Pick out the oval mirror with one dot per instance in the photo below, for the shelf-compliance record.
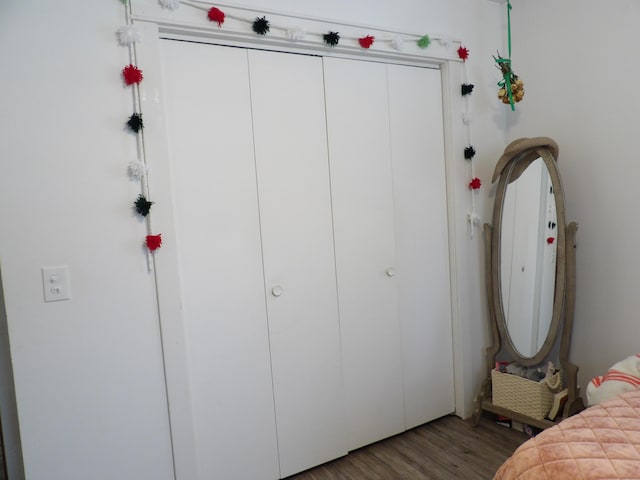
(528, 271)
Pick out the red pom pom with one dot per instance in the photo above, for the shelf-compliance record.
(550, 240)
(216, 15)
(132, 74)
(154, 242)
(463, 53)
(366, 42)
(475, 183)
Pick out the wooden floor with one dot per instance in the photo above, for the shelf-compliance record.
(448, 448)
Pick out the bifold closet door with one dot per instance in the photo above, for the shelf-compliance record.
(422, 241)
(208, 113)
(363, 211)
(297, 240)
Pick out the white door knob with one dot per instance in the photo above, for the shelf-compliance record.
(276, 291)
(391, 272)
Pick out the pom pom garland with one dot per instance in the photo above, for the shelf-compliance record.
(466, 88)
(153, 242)
(469, 152)
(170, 4)
(550, 240)
(366, 42)
(143, 206)
(475, 184)
(397, 42)
(216, 15)
(467, 119)
(331, 38)
(424, 41)
(463, 53)
(261, 25)
(135, 122)
(128, 35)
(132, 74)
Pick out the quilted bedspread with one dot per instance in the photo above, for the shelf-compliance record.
(602, 442)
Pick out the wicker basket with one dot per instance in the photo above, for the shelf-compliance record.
(522, 395)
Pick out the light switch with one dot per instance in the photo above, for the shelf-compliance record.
(55, 281)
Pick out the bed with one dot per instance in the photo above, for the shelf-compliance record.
(602, 442)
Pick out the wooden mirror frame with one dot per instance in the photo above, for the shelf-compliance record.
(516, 158)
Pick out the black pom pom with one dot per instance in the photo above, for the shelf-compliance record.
(261, 25)
(469, 152)
(467, 88)
(135, 122)
(331, 38)
(143, 205)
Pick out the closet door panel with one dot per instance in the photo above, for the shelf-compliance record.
(417, 145)
(214, 189)
(297, 238)
(362, 193)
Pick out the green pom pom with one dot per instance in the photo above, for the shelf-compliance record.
(424, 42)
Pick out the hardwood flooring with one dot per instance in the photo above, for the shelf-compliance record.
(447, 448)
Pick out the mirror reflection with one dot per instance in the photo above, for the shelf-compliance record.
(528, 256)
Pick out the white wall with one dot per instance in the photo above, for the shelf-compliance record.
(88, 372)
(577, 60)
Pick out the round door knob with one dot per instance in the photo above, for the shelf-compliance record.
(391, 272)
(276, 291)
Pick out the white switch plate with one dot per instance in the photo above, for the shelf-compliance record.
(55, 281)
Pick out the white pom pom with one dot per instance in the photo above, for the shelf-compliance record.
(137, 170)
(170, 4)
(127, 35)
(466, 118)
(397, 42)
(445, 42)
(296, 33)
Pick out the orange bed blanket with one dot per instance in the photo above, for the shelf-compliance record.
(602, 442)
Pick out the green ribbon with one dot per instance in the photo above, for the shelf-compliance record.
(506, 82)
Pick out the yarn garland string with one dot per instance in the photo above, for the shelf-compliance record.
(261, 25)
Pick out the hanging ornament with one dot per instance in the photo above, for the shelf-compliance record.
(397, 42)
(366, 42)
(216, 15)
(132, 74)
(136, 170)
(153, 242)
(261, 25)
(296, 33)
(463, 53)
(170, 4)
(135, 122)
(143, 206)
(469, 152)
(424, 41)
(466, 89)
(475, 183)
(331, 38)
(511, 89)
(128, 35)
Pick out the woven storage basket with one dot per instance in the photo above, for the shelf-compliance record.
(522, 395)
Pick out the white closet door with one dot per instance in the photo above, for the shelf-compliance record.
(297, 237)
(417, 146)
(362, 193)
(211, 147)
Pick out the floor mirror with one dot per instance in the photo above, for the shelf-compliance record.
(530, 277)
